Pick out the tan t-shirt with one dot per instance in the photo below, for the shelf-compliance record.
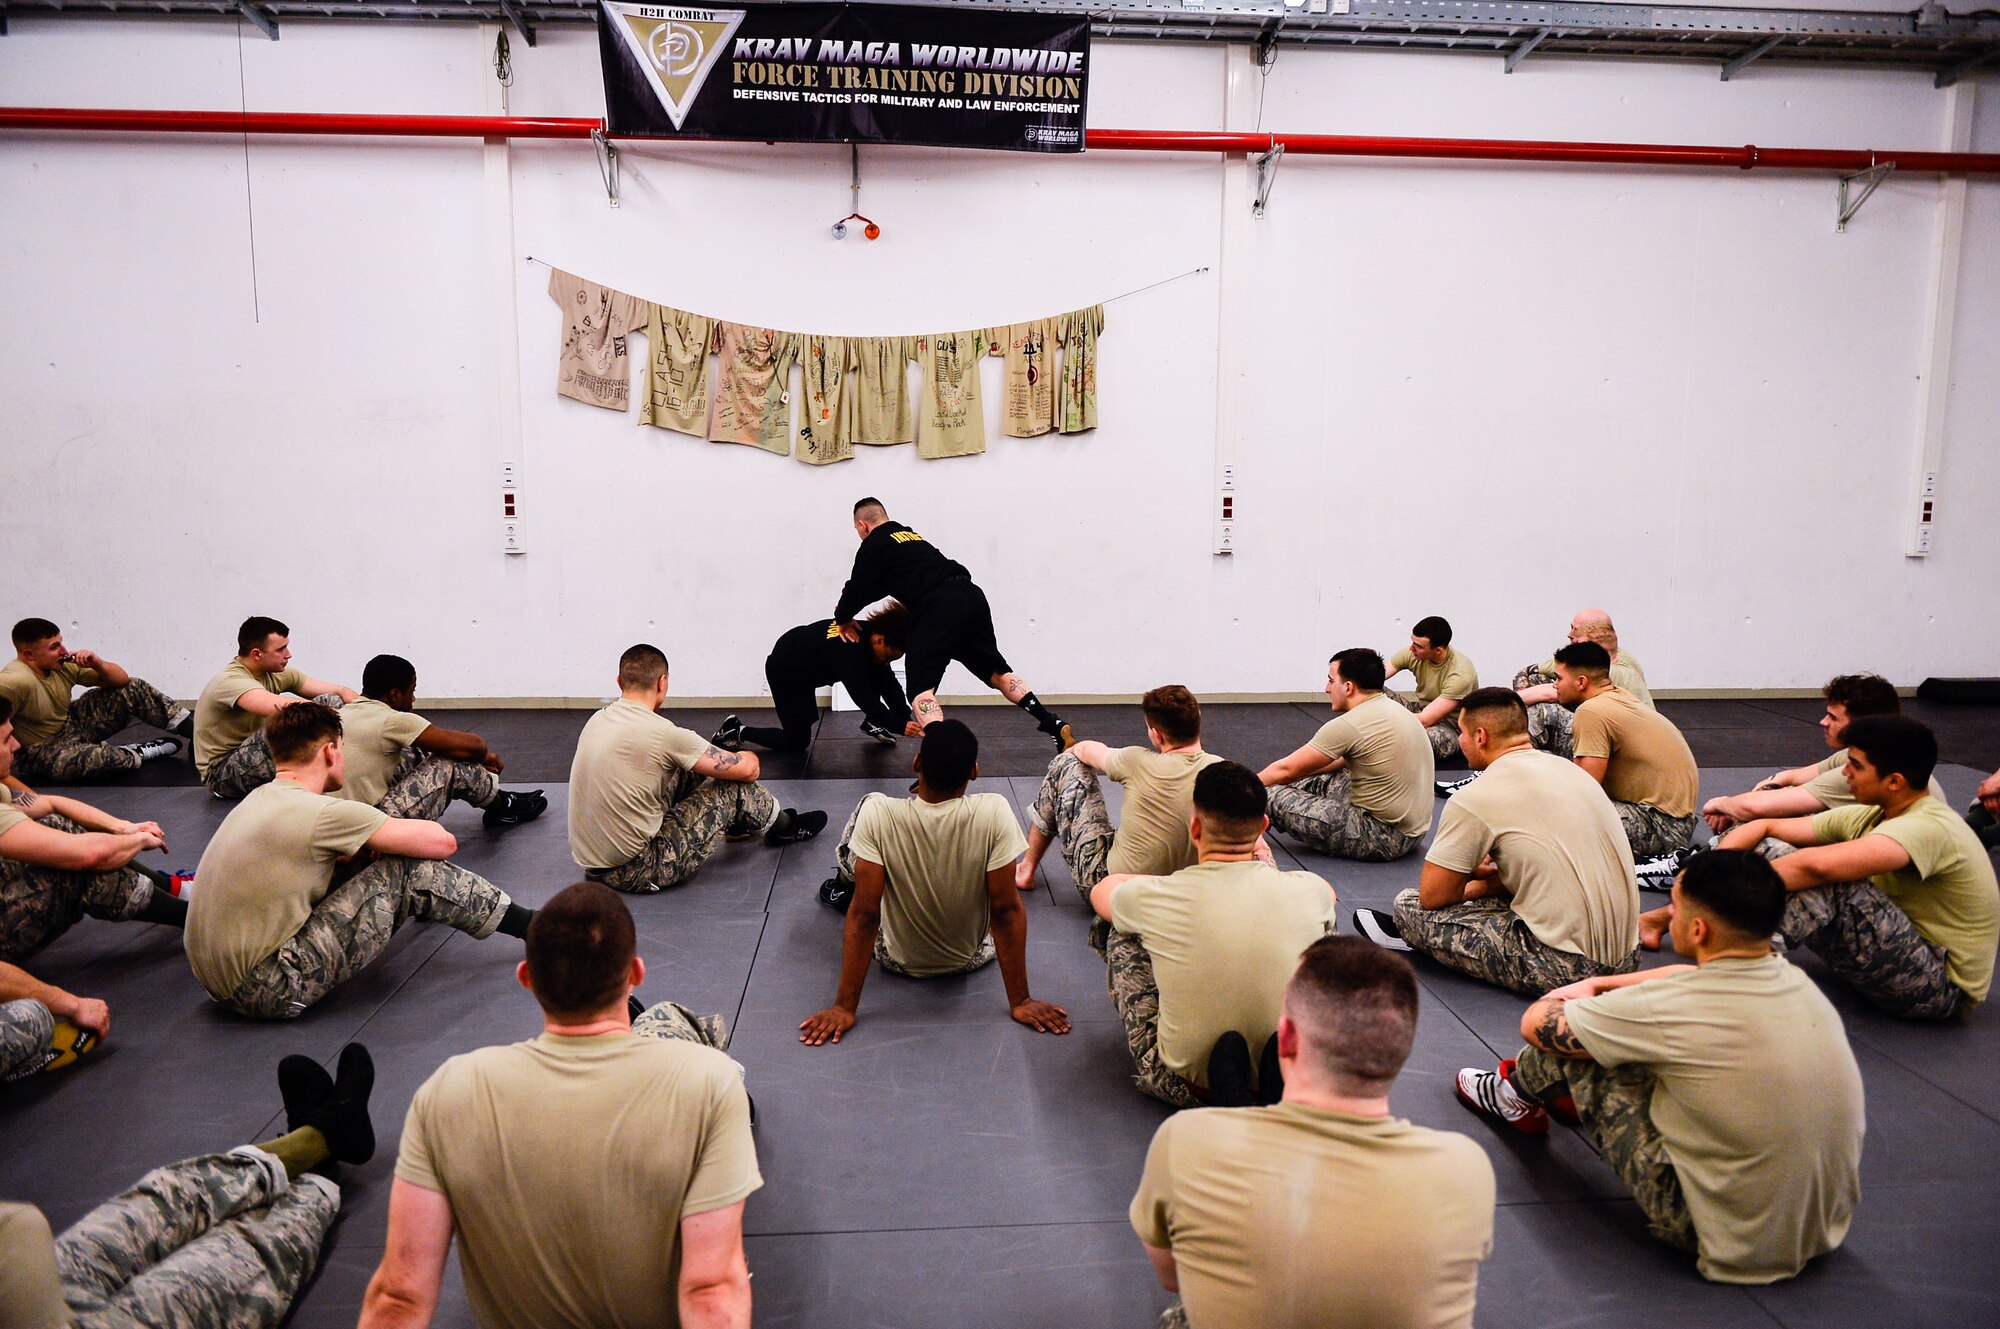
(1076, 395)
(1296, 1216)
(1028, 385)
(41, 705)
(1647, 759)
(31, 1294)
(10, 816)
(1452, 677)
(1224, 938)
(1758, 1100)
(826, 367)
(1152, 834)
(570, 1164)
(1560, 848)
(676, 394)
(595, 366)
(220, 726)
(1948, 888)
(268, 864)
(373, 737)
(1390, 765)
(877, 410)
(953, 421)
(626, 759)
(753, 400)
(1830, 785)
(935, 911)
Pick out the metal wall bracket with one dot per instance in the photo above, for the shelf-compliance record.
(607, 163)
(1267, 175)
(1521, 52)
(1870, 181)
(513, 14)
(1953, 73)
(1738, 64)
(262, 17)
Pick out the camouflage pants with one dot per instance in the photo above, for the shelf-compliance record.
(1069, 808)
(79, 751)
(1617, 1111)
(1983, 824)
(217, 1242)
(1531, 676)
(1174, 1316)
(1651, 831)
(1319, 811)
(1129, 969)
(27, 1033)
(843, 856)
(672, 1020)
(425, 785)
(249, 765)
(1873, 947)
(700, 811)
(1443, 735)
(39, 904)
(1548, 721)
(353, 924)
(1488, 940)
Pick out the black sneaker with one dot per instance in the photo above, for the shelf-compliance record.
(343, 1118)
(511, 808)
(1446, 788)
(836, 894)
(1379, 926)
(730, 736)
(152, 749)
(880, 733)
(1270, 1076)
(793, 826)
(1229, 1083)
(634, 1006)
(1658, 874)
(305, 1086)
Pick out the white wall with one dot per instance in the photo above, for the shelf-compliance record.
(1496, 392)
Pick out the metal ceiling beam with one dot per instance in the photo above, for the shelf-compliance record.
(266, 24)
(1743, 61)
(1952, 74)
(518, 20)
(1521, 52)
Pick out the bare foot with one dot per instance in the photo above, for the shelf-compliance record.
(1653, 926)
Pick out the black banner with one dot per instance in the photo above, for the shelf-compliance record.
(831, 73)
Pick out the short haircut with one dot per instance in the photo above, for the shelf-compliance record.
(1174, 711)
(257, 630)
(385, 674)
(1361, 666)
(870, 509)
(641, 666)
(1355, 1006)
(1496, 710)
(1863, 694)
(579, 950)
(31, 630)
(297, 731)
(950, 750)
(1433, 629)
(1895, 745)
(1739, 887)
(1585, 657)
(1231, 800)
(892, 625)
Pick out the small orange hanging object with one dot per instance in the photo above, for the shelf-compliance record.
(871, 230)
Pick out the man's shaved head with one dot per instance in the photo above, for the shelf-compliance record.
(1594, 625)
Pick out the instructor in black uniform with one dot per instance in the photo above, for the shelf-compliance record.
(813, 655)
(949, 618)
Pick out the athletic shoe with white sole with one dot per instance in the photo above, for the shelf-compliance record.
(1379, 926)
(793, 826)
(880, 733)
(1488, 1092)
(1446, 788)
(153, 749)
(514, 807)
(1658, 873)
(730, 736)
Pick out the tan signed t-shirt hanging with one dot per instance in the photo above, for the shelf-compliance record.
(753, 400)
(875, 408)
(1076, 394)
(953, 423)
(594, 366)
(676, 395)
(1028, 391)
(826, 367)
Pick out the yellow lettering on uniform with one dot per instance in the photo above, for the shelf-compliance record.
(904, 537)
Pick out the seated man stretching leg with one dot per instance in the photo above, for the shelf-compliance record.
(649, 802)
(1641, 759)
(1152, 837)
(287, 912)
(1444, 679)
(65, 741)
(408, 767)
(1362, 788)
(814, 655)
(1282, 1215)
(1528, 883)
(594, 1175)
(1548, 719)
(1207, 951)
(1723, 1093)
(928, 885)
(229, 748)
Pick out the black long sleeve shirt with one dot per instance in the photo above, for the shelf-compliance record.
(895, 560)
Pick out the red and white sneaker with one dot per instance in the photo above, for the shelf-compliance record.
(1489, 1092)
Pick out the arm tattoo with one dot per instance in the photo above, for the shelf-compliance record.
(927, 705)
(1554, 1034)
(28, 803)
(724, 760)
